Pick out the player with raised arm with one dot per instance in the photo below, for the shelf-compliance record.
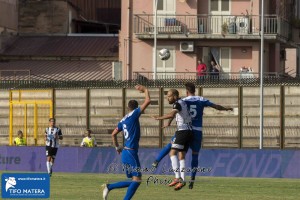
(183, 136)
(130, 126)
(196, 105)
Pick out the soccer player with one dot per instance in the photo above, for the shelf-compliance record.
(196, 105)
(130, 126)
(183, 136)
(20, 141)
(52, 136)
(88, 141)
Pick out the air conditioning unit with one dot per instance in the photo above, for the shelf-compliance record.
(187, 46)
(242, 25)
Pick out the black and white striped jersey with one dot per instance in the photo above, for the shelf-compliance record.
(183, 117)
(52, 140)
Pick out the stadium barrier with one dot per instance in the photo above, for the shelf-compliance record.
(212, 162)
(100, 109)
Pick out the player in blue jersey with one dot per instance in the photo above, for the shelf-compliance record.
(196, 105)
(130, 126)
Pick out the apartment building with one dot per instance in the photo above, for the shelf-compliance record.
(224, 31)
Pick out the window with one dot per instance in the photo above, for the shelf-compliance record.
(219, 5)
(165, 6)
(166, 69)
(214, 5)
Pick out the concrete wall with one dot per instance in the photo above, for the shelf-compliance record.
(44, 17)
(8, 16)
(221, 128)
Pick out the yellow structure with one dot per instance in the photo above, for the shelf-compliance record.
(30, 110)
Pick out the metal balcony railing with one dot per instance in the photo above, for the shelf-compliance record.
(211, 24)
(210, 76)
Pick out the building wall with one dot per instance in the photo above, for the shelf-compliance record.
(44, 17)
(187, 61)
(8, 16)
(108, 11)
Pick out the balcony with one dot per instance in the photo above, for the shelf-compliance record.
(211, 27)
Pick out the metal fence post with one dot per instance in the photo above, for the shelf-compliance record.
(240, 116)
(87, 108)
(282, 115)
(123, 107)
(161, 112)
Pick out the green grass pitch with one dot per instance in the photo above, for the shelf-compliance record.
(87, 186)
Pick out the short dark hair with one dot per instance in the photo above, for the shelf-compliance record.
(190, 87)
(133, 104)
(52, 119)
(174, 92)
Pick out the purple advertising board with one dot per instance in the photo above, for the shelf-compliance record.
(212, 162)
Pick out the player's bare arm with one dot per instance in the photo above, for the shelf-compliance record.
(147, 100)
(168, 123)
(170, 115)
(115, 140)
(219, 107)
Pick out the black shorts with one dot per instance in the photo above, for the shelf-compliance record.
(51, 151)
(182, 139)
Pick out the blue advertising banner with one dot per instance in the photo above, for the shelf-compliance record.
(25, 185)
(212, 162)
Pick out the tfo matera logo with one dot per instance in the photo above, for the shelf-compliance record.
(10, 183)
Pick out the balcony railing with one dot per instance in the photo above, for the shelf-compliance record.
(211, 24)
(209, 77)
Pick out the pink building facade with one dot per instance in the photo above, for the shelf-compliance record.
(225, 31)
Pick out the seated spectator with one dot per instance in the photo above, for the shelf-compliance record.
(88, 141)
(20, 140)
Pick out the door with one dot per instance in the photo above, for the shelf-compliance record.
(166, 68)
(222, 56)
(220, 11)
(165, 13)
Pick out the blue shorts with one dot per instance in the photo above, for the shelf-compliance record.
(195, 144)
(131, 163)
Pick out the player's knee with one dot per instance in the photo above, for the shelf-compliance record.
(195, 153)
(137, 179)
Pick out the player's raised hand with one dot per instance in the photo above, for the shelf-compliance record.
(140, 88)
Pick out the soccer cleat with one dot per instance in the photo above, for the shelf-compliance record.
(179, 186)
(191, 185)
(105, 191)
(155, 164)
(174, 182)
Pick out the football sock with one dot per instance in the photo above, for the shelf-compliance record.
(131, 190)
(51, 165)
(174, 161)
(121, 184)
(194, 165)
(182, 169)
(48, 167)
(163, 152)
